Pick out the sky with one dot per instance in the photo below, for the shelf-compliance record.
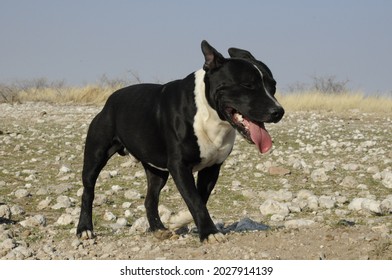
(78, 41)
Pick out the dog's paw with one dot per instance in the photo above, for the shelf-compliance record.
(86, 234)
(215, 238)
(162, 234)
(180, 220)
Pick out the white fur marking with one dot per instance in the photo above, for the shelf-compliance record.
(215, 137)
(269, 95)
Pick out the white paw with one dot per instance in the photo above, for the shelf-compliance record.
(215, 238)
(87, 234)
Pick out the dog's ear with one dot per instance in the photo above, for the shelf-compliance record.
(239, 53)
(213, 59)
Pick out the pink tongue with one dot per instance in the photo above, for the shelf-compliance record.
(260, 137)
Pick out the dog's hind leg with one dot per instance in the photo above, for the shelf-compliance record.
(100, 146)
(156, 180)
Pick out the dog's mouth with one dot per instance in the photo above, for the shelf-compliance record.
(252, 131)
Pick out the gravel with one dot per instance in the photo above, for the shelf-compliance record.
(324, 190)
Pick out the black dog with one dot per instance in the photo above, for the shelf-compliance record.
(182, 127)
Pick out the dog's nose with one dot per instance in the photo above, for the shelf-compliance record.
(276, 114)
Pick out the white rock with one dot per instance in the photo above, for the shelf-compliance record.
(372, 169)
(298, 223)
(65, 219)
(44, 203)
(65, 169)
(132, 195)
(63, 201)
(319, 175)
(356, 204)
(37, 220)
(5, 212)
(387, 179)
(100, 199)
(304, 194)
(116, 188)
(326, 202)
(164, 213)
(140, 225)
(386, 205)
(109, 216)
(122, 222)
(8, 244)
(17, 210)
(312, 202)
(126, 204)
(21, 193)
(79, 193)
(270, 207)
(349, 181)
(350, 166)
(371, 205)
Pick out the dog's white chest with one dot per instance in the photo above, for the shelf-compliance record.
(214, 136)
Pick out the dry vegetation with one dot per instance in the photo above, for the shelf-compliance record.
(304, 100)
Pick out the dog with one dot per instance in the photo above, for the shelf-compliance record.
(183, 127)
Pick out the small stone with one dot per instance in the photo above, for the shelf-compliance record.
(21, 193)
(277, 170)
(371, 205)
(319, 175)
(62, 202)
(8, 244)
(140, 225)
(44, 203)
(349, 181)
(350, 166)
(100, 199)
(17, 210)
(37, 220)
(356, 204)
(270, 207)
(5, 212)
(126, 205)
(109, 216)
(122, 222)
(326, 202)
(64, 220)
(132, 195)
(116, 188)
(386, 205)
(387, 179)
(64, 169)
(298, 223)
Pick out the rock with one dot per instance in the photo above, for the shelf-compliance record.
(5, 212)
(109, 216)
(386, 179)
(64, 169)
(62, 202)
(350, 166)
(372, 169)
(371, 205)
(37, 220)
(116, 188)
(132, 195)
(140, 225)
(349, 181)
(271, 207)
(44, 203)
(64, 220)
(298, 223)
(17, 210)
(356, 204)
(319, 175)
(8, 244)
(277, 170)
(122, 222)
(304, 194)
(386, 205)
(100, 199)
(326, 202)
(21, 193)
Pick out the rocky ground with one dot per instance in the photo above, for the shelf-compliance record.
(325, 191)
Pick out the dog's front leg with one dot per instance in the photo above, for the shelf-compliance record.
(185, 182)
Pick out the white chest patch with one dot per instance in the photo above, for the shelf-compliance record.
(214, 136)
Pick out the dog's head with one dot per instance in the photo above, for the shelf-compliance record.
(242, 90)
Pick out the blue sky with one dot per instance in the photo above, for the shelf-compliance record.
(79, 41)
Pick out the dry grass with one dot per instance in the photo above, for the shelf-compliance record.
(316, 101)
(299, 101)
